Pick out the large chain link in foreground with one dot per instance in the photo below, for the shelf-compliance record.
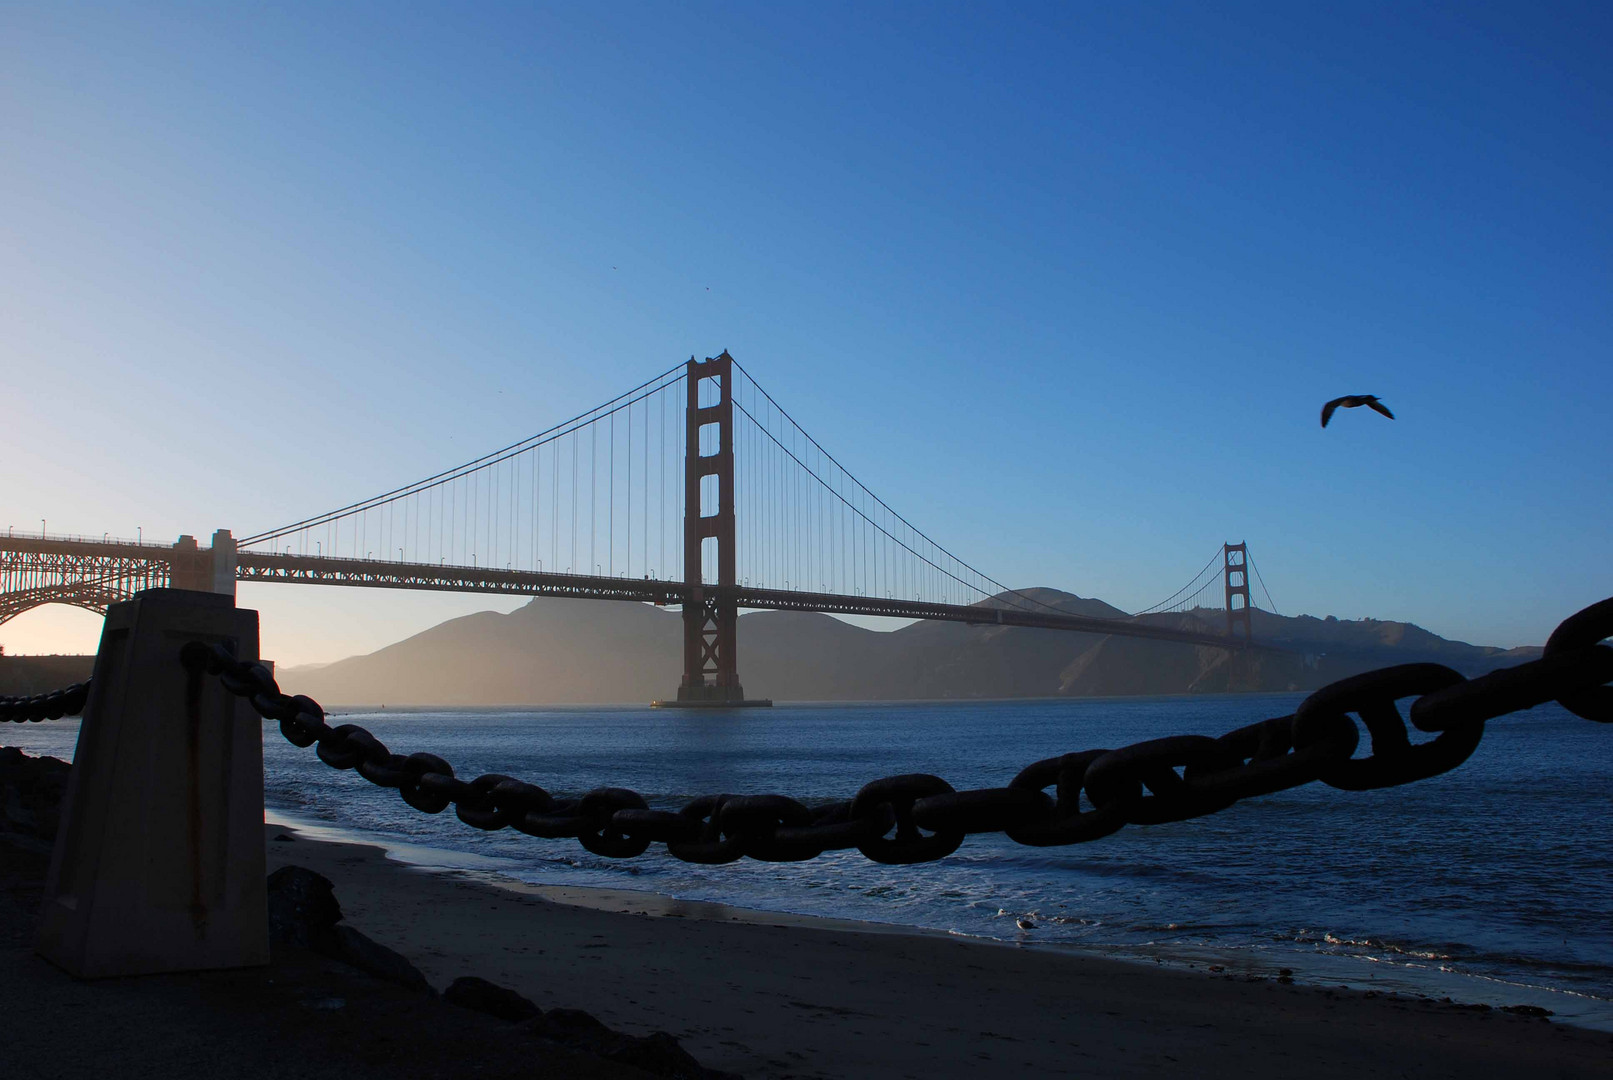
(917, 817)
(32, 708)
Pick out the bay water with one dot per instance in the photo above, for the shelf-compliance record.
(1490, 884)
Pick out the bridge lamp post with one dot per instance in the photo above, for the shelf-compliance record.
(139, 535)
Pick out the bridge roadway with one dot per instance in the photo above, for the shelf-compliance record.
(27, 562)
(319, 570)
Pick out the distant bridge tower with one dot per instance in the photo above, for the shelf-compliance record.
(710, 663)
(1236, 570)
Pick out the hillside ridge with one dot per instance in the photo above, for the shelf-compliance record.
(555, 651)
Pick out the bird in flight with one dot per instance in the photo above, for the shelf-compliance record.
(1350, 401)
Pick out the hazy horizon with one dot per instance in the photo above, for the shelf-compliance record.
(558, 651)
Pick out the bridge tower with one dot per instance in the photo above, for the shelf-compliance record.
(710, 663)
(1236, 571)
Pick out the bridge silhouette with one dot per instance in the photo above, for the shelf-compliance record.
(694, 489)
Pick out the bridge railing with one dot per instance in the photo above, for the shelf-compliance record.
(13, 535)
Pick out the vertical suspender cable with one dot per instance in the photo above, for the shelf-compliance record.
(571, 562)
(646, 489)
(660, 495)
(593, 499)
(610, 518)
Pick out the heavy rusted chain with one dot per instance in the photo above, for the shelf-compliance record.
(32, 708)
(919, 818)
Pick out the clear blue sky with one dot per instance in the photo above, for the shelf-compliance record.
(1067, 284)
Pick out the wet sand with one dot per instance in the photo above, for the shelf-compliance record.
(776, 997)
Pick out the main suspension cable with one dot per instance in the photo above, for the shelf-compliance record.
(1002, 589)
(599, 412)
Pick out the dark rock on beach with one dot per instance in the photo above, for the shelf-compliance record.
(371, 957)
(31, 790)
(658, 1053)
(304, 913)
(470, 992)
(302, 907)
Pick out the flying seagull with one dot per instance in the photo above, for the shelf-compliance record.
(1350, 401)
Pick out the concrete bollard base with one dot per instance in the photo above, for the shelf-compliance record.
(159, 859)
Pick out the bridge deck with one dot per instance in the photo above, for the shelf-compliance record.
(101, 559)
(318, 570)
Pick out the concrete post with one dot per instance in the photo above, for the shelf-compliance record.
(188, 567)
(201, 569)
(159, 859)
(223, 562)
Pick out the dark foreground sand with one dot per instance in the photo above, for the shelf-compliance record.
(773, 998)
(301, 1018)
(747, 992)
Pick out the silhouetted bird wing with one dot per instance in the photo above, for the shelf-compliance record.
(1376, 406)
(1327, 410)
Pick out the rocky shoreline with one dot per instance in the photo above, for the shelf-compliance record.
(331, 976)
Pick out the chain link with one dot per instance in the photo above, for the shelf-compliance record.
(52, 706)
(920, 818)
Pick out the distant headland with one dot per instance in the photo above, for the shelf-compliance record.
(559, 651)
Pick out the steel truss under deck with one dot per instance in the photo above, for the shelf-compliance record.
(92, 574)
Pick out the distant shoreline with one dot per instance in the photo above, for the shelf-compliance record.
(370, 707)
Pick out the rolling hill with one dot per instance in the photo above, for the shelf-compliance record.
(561, 651)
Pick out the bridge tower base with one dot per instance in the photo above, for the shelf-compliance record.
(710, 615)
(1236, 572)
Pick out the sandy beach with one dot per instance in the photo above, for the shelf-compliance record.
(775, 997)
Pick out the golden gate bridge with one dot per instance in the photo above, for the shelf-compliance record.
(695, 489)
